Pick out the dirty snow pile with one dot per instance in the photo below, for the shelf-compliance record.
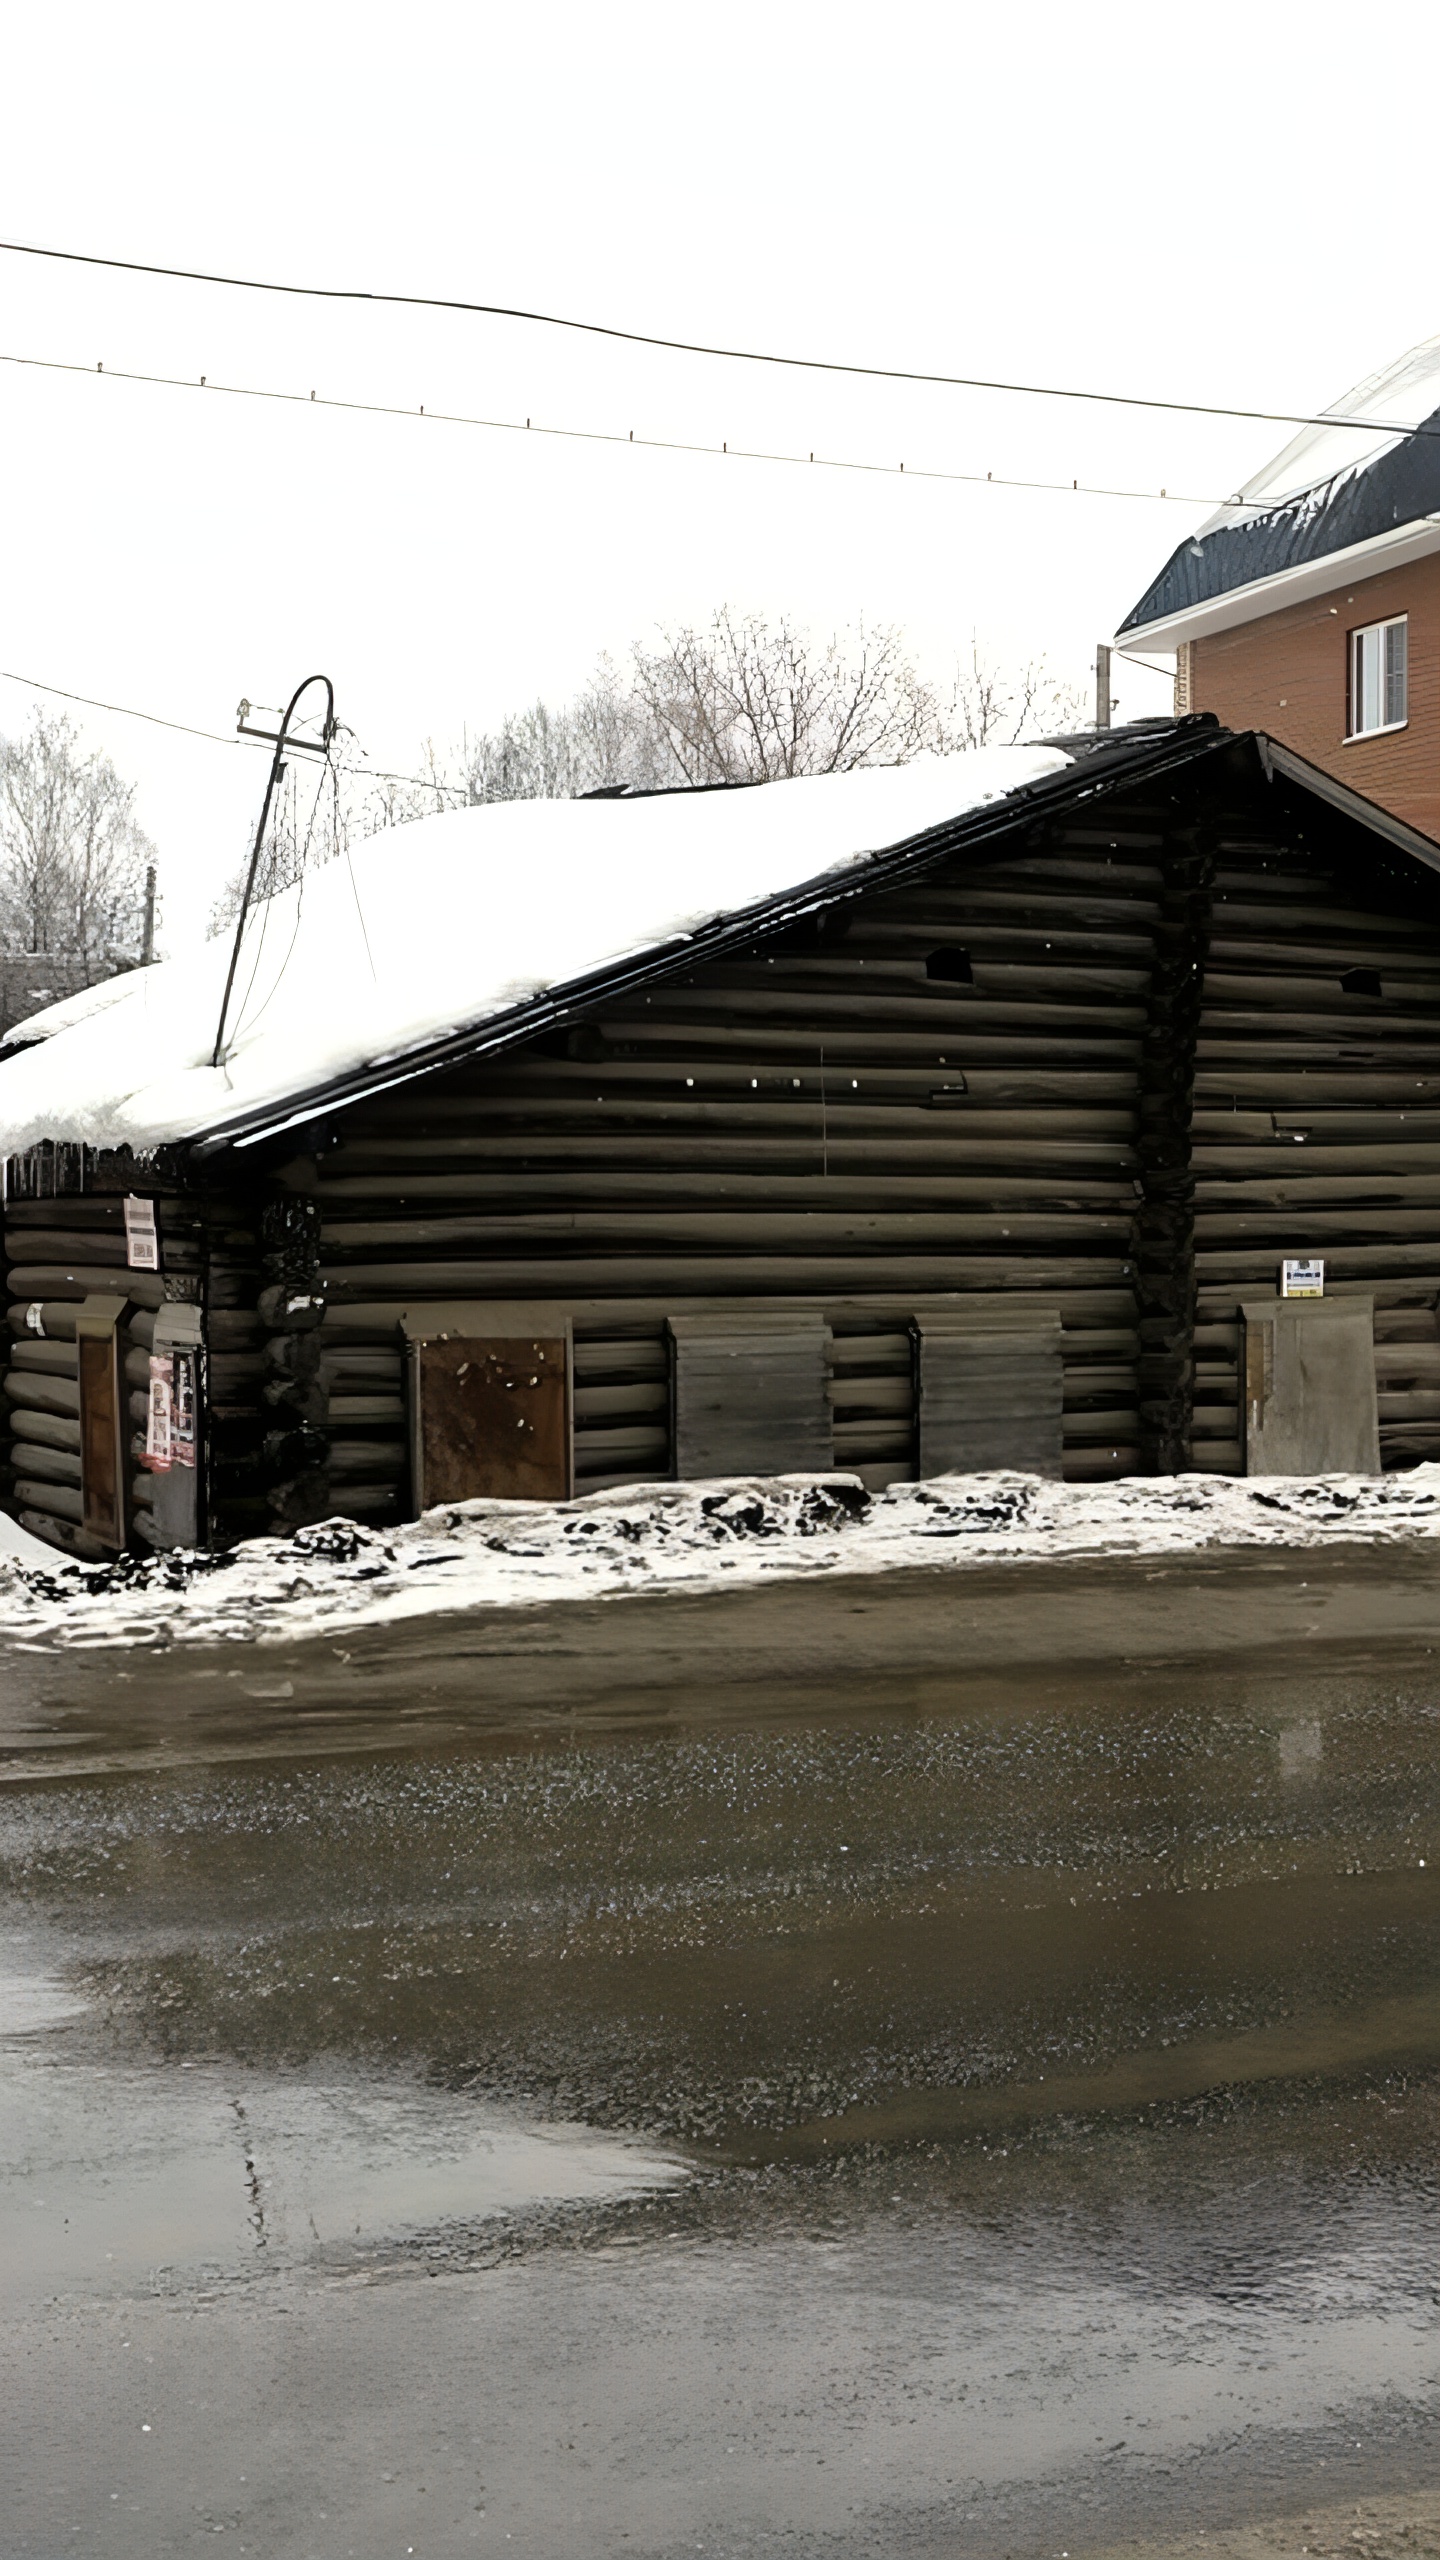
(346, 970)
(681, 1537)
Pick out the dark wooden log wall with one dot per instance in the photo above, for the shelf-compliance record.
(1165, 1284)
(1316, 1125)
(1118, 1074)
(64, 1241)
(939, 1096)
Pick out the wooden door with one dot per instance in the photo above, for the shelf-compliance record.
(490, 1416)
(103, 1419)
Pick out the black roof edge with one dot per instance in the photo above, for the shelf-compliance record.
(1094, 771)
(1398, 485)
(1351, 804)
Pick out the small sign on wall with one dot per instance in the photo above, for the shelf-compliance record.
(170, 1419)
(142, 1243)
(1302, 1277)
(174, 1430)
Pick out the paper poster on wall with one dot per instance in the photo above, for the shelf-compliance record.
(157, 1420)
(1302, 1278)
(170, 1418)
(142, 1243)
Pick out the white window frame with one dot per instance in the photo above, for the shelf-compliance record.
(1371, 677)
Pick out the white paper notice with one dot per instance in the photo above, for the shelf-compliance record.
(1302, 1279)
(159, 1427)
(142, 1244)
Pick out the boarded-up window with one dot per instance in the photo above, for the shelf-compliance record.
(1310, 1399)
(102, 1420)
(751, 1394)
(490, 1414)
(989, 1392)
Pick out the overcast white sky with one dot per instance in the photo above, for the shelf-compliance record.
(1232, 204)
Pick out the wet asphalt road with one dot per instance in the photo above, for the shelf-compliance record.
(994, 2126)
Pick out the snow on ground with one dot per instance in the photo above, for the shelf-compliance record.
(348, 968)
(682, 1537)
(15, 1541)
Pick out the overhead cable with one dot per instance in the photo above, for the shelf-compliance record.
(154, 717)
(126, 711)
(606, 435)
(698, 347)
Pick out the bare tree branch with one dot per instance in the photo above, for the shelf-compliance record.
(72, 858)
(745, 699)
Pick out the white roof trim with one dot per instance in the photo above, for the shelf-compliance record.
(1393, 550)
(1351, 804)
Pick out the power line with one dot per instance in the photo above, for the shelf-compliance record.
(607, 435)
(122, 708)
(126, 711)
(422, 781)
(695, 347)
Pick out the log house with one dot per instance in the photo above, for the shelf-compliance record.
(964, 1155)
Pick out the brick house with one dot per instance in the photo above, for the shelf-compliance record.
(1309, 606)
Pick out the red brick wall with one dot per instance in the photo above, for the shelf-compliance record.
(1287, 674)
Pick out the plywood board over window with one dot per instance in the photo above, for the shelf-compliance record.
(490, 1400)
(989, 1390)
(751, 1393)
(1310, 1398)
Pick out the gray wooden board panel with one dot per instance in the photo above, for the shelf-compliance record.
(990, 1396)
(751, 1394)
(1309, 1387)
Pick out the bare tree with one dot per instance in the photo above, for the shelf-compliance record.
(616, 743)
(321, 809)
(746, 699)
(753, 701)
(602, 740)
(297, 839)
(533, 755)
(994, 706)
(72, 858)
(742, 700)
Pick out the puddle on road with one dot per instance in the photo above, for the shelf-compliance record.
(156, 2180)
(32, 2001)
(1065, 2082)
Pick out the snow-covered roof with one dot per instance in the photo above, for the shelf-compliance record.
(450, 924)
(1337, 502)
(1403, 394)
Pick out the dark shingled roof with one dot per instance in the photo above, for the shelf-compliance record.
(1401, 485)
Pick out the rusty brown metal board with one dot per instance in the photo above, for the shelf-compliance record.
(491, 1415)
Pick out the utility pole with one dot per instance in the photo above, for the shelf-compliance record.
(285, 742)
(1102, 685)
(147, 947)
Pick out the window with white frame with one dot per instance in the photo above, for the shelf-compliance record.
(1379, 677)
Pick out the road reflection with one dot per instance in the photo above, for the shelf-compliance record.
(969, 2118)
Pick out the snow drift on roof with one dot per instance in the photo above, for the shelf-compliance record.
(1403, 394)
(448, 924)
(1332, 488)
